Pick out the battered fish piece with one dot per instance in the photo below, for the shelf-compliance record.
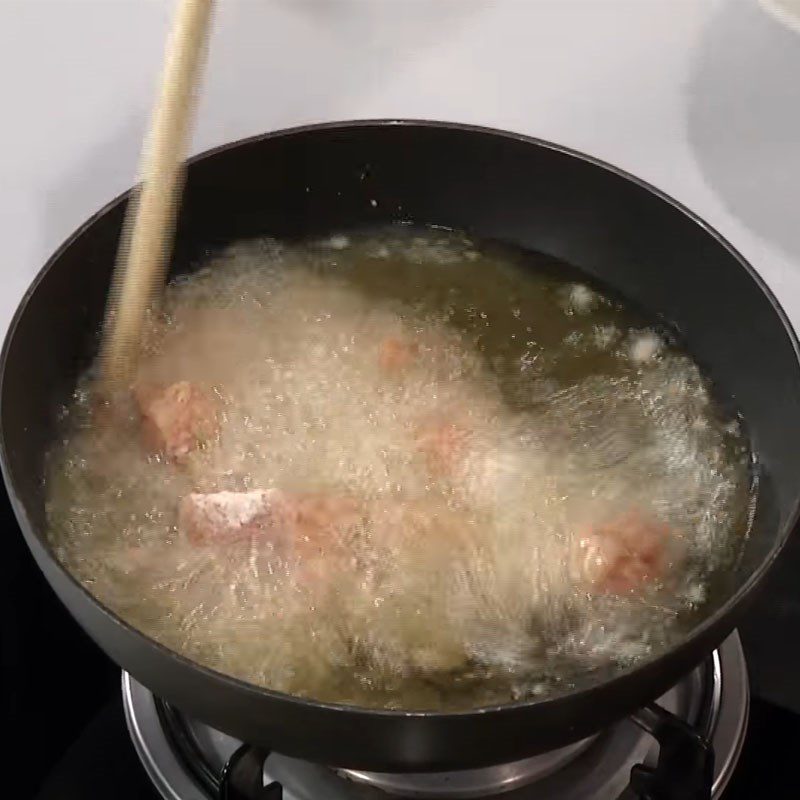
(176, 419)
(626, 554)
(396, 355)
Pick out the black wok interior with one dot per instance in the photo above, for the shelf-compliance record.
(321, 179)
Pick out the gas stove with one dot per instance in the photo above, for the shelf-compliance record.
(186, 760)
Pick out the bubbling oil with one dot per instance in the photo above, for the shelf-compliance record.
(460, 590)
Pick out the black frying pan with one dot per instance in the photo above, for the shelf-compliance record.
(494, 185)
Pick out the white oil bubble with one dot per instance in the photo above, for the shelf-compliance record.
(605, 336)
(338, 242)
(579, 299)
(644, 347)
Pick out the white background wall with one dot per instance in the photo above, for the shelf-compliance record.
(700, 97)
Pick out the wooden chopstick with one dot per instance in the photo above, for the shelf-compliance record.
(146, 242)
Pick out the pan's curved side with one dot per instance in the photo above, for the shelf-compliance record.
(532, 194)
(362, 739)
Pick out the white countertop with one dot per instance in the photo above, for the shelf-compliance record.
(700, 97)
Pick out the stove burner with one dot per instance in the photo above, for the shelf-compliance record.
(185, 758)
(471, 783)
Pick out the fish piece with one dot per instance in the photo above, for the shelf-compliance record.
(396, 354)
(310, 531)
(626, 554)
(444, 445)
(227, 517)
(176, 419)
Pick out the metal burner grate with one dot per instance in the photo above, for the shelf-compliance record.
(186, 747)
